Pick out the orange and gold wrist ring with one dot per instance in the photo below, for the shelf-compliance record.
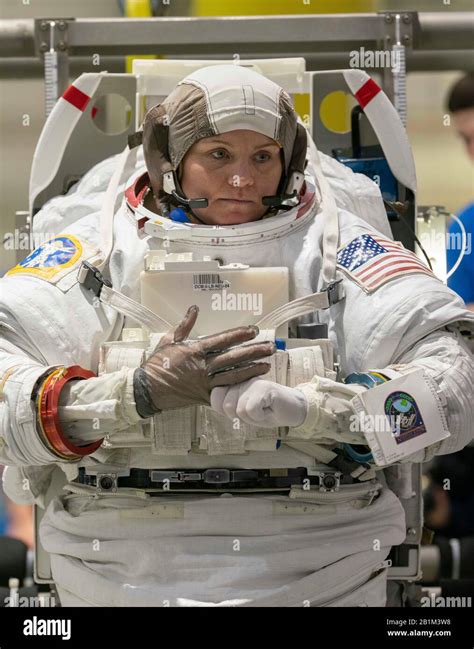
(48, 400)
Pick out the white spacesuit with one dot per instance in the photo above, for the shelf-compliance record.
(319, 548)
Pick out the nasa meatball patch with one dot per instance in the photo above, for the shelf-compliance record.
(371, 261)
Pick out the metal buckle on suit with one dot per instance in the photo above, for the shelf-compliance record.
(224, 476)
(174, 476)
(216, 476)
(334, 291)
(208, 476)
(92, 279)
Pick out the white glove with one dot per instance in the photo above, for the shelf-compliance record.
(261, 403)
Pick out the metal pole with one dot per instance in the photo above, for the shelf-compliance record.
(438, 31)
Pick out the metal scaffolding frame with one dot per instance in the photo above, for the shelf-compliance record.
(432, 40)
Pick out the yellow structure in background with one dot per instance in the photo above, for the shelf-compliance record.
(303, 107)
(335, 111)
(137, 9)
(335, 108)
(278, 7)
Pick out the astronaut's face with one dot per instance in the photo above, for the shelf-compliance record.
(233, 171)
(464, 124)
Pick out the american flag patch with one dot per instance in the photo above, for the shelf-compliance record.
(372, 260)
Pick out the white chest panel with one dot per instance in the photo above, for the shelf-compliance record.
(227, 296)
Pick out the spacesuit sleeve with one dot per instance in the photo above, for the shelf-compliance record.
(98, 406)
(88, 409)
(447, 360)
(448, 364)
(20, 443)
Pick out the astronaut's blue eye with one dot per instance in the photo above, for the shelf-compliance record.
(213, 154)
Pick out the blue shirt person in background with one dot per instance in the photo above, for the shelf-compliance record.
(461, 105)
(462, 280)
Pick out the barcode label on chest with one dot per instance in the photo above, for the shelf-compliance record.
(209, 282)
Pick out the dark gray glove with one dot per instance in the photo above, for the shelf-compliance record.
(182, 372)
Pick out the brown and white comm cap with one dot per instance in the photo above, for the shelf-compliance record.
(217, 99)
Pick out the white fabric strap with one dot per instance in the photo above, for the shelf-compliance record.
(155, 324)
(126, 162)
(125, 305)
(331, 229)
(294, 309)
(133, 309)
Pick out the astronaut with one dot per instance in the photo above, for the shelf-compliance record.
(232, 174)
